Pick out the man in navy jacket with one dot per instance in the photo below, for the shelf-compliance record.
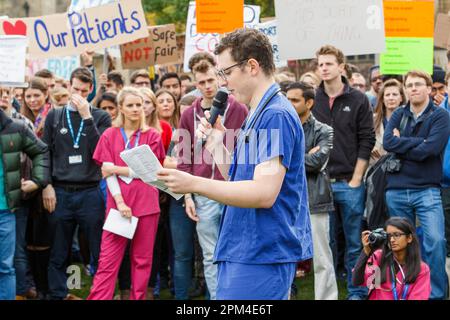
(414, 189)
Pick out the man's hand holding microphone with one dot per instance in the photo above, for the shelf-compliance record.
(211, 131)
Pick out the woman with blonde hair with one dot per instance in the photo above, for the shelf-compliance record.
(130, 196)
(152, 117)
(310, 78)
(390, 97)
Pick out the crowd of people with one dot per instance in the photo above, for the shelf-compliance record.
(340, 160)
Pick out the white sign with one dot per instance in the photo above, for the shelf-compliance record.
(12, 60)
(199, 42)
(270, 30)
(354, 26)
(78, 5)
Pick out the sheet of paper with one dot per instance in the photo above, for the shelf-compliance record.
(144, 163)
(119, 225)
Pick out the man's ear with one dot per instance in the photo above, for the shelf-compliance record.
(254, 66)
(310, 104)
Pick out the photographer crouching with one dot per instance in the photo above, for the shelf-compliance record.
(390, 264)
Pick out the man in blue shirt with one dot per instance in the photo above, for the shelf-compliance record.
(265, 227)
(413, 188)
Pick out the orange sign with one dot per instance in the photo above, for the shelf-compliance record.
(219, 16)
(409, 19)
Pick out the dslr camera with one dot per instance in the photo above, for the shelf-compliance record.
(377, 238)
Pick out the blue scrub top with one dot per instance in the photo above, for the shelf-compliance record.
(282, 233)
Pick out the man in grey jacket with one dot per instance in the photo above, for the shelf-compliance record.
(318, 144)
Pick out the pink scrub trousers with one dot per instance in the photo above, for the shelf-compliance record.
(111, 253)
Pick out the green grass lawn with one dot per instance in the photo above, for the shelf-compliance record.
(305, 287)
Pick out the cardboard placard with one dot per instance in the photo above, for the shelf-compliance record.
(159, 47)
(271, 31)
(199, 42)
(12, 60)
(442, 31)
(215, 16)
(73, 32)
(355, 27)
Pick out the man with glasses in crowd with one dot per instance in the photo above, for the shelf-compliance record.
(376, 81)
(418, 134)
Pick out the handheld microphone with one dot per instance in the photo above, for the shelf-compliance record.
(218, 107)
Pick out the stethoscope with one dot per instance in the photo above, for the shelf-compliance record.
(64, 130)
(248, 129)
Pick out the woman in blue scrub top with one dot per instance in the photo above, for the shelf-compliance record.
(265, 228)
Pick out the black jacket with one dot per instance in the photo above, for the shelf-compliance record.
(352, 121)
(319, 186)
(61, 146)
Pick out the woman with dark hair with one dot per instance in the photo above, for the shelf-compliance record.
(35, 106)
(390, 97)
(396, 271)
(108, 103)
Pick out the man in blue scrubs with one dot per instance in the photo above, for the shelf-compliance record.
(265, 228)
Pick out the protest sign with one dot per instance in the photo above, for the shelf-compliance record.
(12, 60)
(442, 31)
(200, 42)
(270, 30)
(78, 5)
(74, 32)
(219, 16)
(160, 47)
(355, 27)
(409, 36)
(61, 67)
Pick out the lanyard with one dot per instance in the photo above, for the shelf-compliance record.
(251, 121)
(394, 286)
(76, 141)
(127, 142)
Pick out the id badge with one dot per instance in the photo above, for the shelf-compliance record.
(75, 159)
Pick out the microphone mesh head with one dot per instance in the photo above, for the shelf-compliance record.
(222, 95)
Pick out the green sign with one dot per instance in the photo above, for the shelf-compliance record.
(405, 54)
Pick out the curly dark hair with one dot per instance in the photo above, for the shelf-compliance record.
(249, 44)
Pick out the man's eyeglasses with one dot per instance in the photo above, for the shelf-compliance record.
(223, 73)
(415, 84)
(395, 235)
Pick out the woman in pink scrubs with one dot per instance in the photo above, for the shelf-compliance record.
(132, 197)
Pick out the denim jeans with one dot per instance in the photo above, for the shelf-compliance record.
(85, 208)
(182, 229)
(426, 204)
(445, 192)
(349, 204)
(21, 254)
(7, 246)
(209, 213)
